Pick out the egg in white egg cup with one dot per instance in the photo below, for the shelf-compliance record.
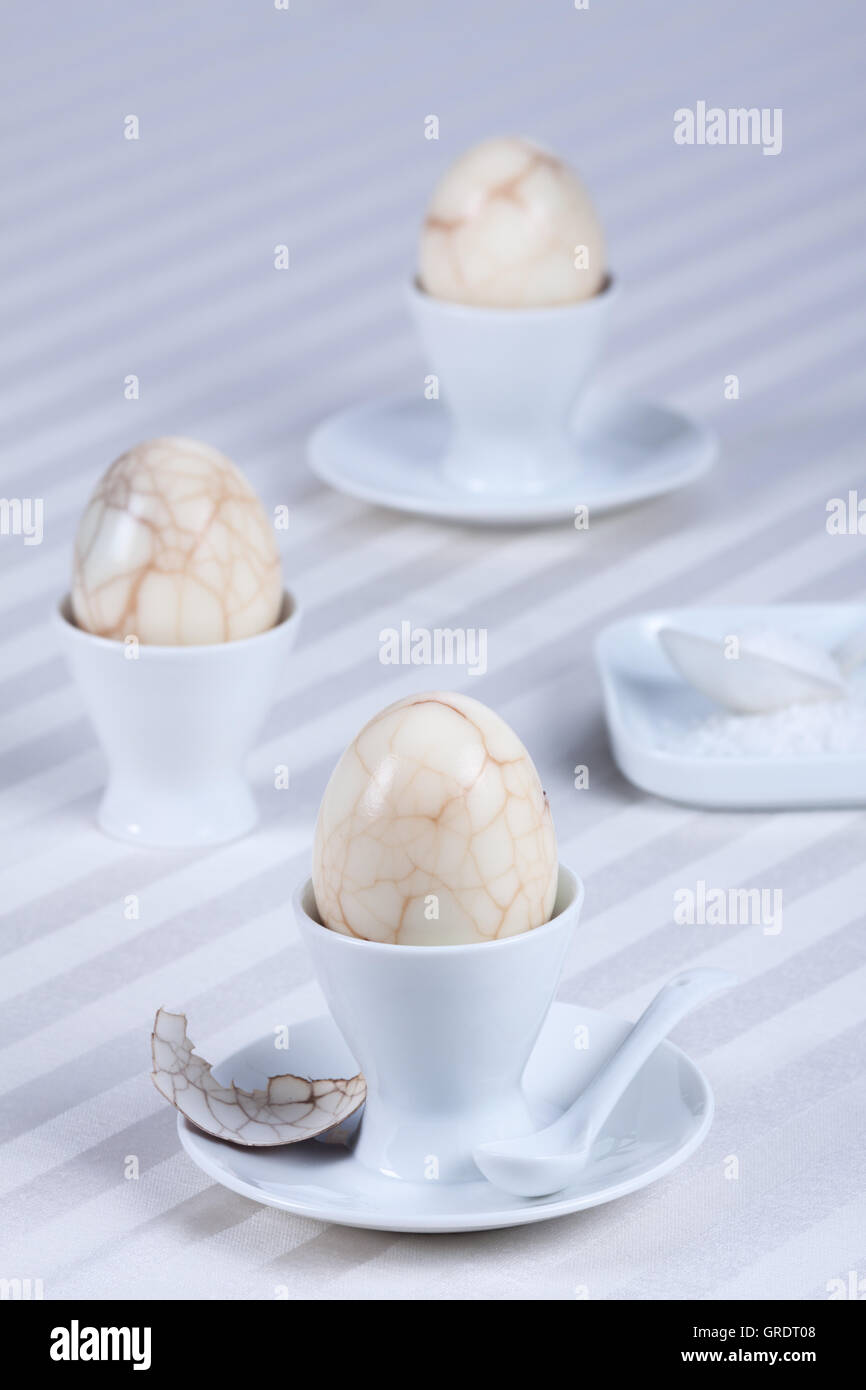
(442, 1034)
(176, 725)
(510, 379)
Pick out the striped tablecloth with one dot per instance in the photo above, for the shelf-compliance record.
(154, 258)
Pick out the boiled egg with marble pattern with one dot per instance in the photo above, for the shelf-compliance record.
(175, 548)
(434, 829)
(509, 225)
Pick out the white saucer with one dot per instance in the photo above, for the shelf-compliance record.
(625, 451)
(660, 1120)
(646, 701)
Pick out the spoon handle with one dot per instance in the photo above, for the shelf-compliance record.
(583, 1120)
(852, 652)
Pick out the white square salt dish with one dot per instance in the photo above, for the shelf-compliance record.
(670, 740)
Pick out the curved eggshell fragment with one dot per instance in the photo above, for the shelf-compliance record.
(289, 1109)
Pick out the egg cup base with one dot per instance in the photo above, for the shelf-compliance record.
(227, 813)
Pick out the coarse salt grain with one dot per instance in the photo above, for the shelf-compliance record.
(826, 726)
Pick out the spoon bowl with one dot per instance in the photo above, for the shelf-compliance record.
(539, 1164)
(753, 681)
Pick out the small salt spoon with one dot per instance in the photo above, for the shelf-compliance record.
(771, 670)
(536, 1165)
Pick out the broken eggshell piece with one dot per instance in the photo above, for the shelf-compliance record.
(289, 1109)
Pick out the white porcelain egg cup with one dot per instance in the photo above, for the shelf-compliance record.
(442, 1034)
(510, 379)
(176, 725)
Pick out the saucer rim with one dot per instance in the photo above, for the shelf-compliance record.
(546, 506)
(197, 1147)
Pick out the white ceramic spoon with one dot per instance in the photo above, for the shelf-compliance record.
(535, 1165)
(772, 670)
